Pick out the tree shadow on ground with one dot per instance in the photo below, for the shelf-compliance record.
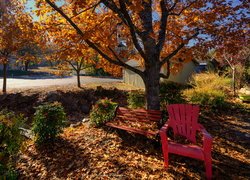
(60, 158)
(20, 103)
(231, 126)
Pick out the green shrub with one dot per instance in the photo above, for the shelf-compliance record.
(10, 142)
(208, 89)
(171, 93)
(10, 137)
(102, 112)
(49, 120)
(136, 99)
(203, 96)
(92, 71)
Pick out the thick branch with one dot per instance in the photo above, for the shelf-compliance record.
(163, 27)
(126, 65)
(81, 63)
(112, 6)
(183, 9)
(71, 64)
(166, 59)
(131, 28)
(166, 76)
(93, 6)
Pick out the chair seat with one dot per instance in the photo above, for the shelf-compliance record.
(192, 151)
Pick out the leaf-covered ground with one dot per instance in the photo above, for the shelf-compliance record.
(101, 153)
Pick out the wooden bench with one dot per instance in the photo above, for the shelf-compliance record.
(137, 121)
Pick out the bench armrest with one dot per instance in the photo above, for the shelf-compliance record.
(207, 139)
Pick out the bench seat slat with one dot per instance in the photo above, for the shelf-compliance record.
(142, 116)
(137, 119)
(134, 130)
(122, 118)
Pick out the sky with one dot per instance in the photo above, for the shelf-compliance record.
(31, 6)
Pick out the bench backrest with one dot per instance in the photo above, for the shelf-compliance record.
(183, 118)
(139, 114)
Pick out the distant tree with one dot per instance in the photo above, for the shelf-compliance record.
(16, 29)
(29, 53)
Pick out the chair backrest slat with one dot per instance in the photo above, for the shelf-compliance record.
(183, 118)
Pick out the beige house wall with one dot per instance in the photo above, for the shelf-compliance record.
(133, 79)
(182, 77)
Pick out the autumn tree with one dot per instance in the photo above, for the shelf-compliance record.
(17, 30)
(157, 33)
(77, 58)
(8, 31)
(237, 61)
(28, 53)
(67, 48)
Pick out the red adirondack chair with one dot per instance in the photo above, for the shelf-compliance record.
(183, 119)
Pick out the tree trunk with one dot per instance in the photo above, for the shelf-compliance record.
(26, 65)
(234, 85)
(78, 79)
(4, 77)
(152, 88)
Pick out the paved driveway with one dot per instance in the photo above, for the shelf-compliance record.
(36, 81)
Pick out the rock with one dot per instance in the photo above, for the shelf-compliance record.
(53, 96)
(85, 120)
(27, 133)
(75, 125)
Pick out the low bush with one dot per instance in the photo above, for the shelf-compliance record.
(211, 81)
(10, 142)
(203, 96)
(208, 89)
(136, 99)
(49, 120)
(102, 112)
(171, 93)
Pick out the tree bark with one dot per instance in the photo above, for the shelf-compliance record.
(4, 77)
(78, 79)
(152, 88)
(234, 84)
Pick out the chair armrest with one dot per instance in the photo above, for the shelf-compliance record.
(163, 132)
(207, 139)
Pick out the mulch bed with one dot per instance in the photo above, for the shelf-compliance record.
(100, 153)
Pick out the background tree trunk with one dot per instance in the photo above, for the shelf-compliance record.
(233, 79)
(78, 78)
(26, 65)
(4, 77)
